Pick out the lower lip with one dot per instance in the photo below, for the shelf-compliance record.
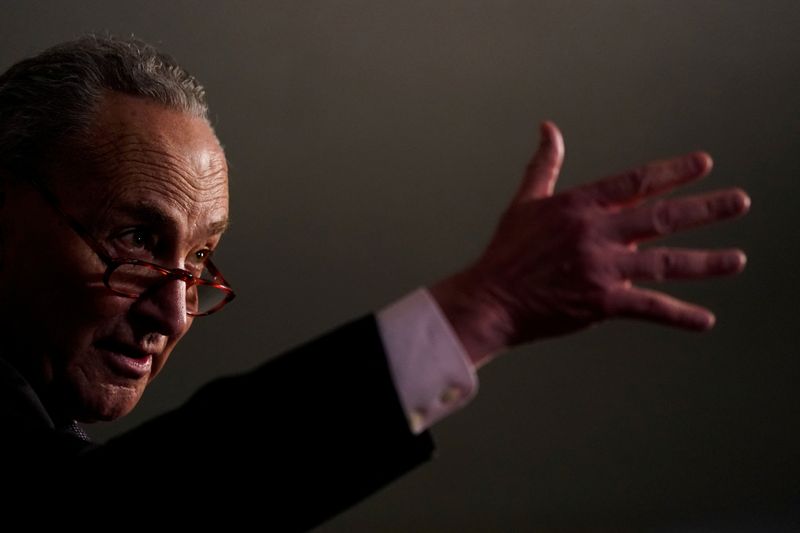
(130, 367)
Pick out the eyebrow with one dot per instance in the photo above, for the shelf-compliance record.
(219, 227)
(152, 213)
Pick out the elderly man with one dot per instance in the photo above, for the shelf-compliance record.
(114, 198)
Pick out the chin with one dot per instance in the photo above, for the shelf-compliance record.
(108, 402)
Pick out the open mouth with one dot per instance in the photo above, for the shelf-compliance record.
(126, 360)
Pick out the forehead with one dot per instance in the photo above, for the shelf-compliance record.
(141, 154)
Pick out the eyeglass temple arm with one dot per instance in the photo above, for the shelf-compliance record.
(74, 224)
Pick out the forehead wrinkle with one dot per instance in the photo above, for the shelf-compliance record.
(161, 162)
(169, 193)
(175, 186)
(144, 153)
(129, 160)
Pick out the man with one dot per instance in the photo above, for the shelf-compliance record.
(115, 196)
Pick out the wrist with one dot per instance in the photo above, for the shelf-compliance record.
(481, 326)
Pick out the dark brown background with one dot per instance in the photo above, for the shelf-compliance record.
(373, 145)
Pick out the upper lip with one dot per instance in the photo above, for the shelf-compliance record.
(129, 350)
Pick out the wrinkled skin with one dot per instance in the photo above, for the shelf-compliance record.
(149, 183)
(558, 263)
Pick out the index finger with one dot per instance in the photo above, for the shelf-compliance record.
(648, 180)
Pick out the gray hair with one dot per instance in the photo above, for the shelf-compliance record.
(52, 98)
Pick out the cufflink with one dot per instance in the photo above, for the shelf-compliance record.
(451, 395)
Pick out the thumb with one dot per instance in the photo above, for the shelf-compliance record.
(542, 172)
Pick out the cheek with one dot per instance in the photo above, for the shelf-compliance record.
(68, 316)
(78, 286)
(57, 283)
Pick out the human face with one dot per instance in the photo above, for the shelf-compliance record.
(152, 186)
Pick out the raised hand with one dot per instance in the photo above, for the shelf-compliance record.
(559, 263)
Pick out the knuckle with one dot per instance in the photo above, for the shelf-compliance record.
(593, 269)
(651, 307)
(584, 224)
(576, 226)
(724, 205)
(638, 181)
(715, 206)
(713, 262)
(655, 308)
(667, 262)
(662, 218)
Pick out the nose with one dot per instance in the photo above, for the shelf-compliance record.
(163, 307)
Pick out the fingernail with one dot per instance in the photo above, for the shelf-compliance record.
(742, 202)
(701, 162)
(706, 321)
(738, 261)
(731, 262)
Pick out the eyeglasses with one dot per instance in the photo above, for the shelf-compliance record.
(206, 292)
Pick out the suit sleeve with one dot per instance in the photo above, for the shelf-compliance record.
(319, 427)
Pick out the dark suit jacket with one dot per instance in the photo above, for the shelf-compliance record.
(299, 438)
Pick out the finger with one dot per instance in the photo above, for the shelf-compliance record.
(542, 172)
(648, 180)
(669, 216)
(644, 304)
(659, 264)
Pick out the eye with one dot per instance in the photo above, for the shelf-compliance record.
(137, 240)
(198, 259)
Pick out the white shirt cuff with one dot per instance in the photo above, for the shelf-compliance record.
(430, 368)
